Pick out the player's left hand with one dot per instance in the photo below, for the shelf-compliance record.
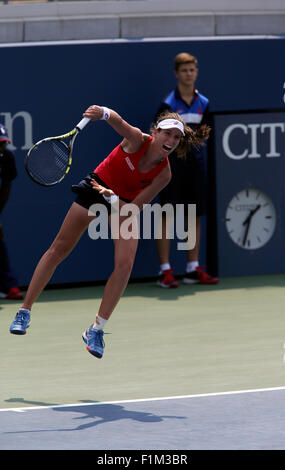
(101, 189)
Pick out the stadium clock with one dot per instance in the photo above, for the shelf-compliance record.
(250, 219)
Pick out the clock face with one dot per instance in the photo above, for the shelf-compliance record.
(250, 219)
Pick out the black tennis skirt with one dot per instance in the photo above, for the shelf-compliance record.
(86, 196)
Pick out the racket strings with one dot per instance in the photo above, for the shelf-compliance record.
(49, 161)
(61, 156)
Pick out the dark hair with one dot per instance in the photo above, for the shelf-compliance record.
(195, 138)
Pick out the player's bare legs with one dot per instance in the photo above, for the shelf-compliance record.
(125, 252)
(74, 225)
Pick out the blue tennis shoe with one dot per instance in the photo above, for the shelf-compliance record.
(94, 340)
(21, 322)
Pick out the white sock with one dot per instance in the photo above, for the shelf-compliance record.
(25, 310)
(164, 266)
(191, 266)
(100, 323)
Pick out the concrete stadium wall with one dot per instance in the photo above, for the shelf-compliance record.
(65, 20)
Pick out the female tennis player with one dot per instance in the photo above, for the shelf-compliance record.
(135, 171)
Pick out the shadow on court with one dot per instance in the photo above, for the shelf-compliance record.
(22, 401)
(89, 416)
(102, 414)
(98, 413)
(149, 289)
(245, 420)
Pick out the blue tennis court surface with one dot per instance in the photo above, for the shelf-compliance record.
(252, 420)
(198, 368)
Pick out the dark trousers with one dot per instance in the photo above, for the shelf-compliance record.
(7, 277)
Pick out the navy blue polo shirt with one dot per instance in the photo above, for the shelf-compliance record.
(195, 114)
(192, 114)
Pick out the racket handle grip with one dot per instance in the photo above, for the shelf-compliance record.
(82, 123)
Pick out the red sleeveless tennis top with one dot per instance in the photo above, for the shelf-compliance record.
(121, 174)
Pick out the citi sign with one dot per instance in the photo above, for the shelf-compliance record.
(248, 140)
(25, 120)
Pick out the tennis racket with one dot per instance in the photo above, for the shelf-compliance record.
(49, 160)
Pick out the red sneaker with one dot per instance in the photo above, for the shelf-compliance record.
(166, 279)
(199, 276)
(15, 294)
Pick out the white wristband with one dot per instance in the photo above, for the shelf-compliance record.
(106, 113)
(111, 199)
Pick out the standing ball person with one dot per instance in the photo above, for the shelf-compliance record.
(188, 184)
(8, 283)
(135, 171)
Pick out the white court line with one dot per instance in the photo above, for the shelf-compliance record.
(178, 397)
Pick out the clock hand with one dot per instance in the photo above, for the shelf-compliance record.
(252, 212)
(256, 209)
(248, 221)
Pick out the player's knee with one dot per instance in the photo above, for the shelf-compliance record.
(58, 251)
(124, 266)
